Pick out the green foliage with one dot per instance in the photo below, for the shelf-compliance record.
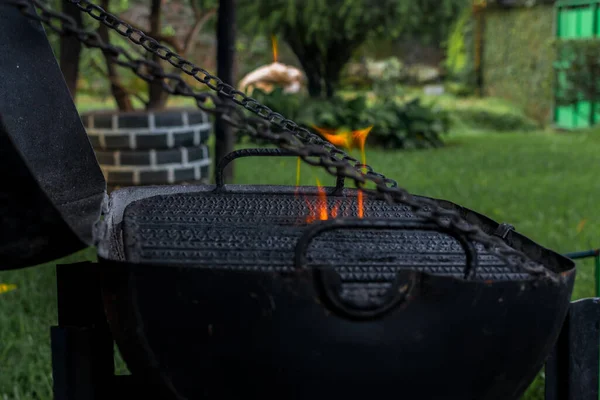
(458, 89)
(460, 46)
(321, 21)
(518, 56)
(490, 119)
(395, 126)
(325, 33)
(288, 105)
(327, 20)
(578, 70)
(430, 20)
(475, 114)
(398, 126)
(391, 73)
(384, 75)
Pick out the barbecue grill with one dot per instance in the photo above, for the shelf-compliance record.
(231, 291)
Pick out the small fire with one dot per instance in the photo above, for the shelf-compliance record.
(350, 140)
(361, 208)
(274, 45)
(347, 139)
(320, 211)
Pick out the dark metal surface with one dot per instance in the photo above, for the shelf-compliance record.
(32, 231)
(233, 334)
(503, 230)
(583, 254)
(257, 227)
(225, 136)
(595, 253)
(572, 370)
(42, 123)
(289, 136)
(83, 347)
(259, 230)
(361, 301)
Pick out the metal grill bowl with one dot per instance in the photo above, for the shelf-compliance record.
(224, 292)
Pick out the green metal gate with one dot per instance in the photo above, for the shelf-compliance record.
(576, 19)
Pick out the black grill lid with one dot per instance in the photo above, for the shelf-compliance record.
(45, 152)
(258, 231)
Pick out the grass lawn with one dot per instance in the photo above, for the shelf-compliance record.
(544, 184)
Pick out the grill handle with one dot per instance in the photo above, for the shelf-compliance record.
(339, 183)
(327, 280)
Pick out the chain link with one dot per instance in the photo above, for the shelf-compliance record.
(288, 135)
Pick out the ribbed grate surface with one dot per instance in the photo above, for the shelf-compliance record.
(248, 231)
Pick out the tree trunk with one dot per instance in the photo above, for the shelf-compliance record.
(157, 97)
(226, 30)
(70, 50)
(119, 94)
(338, 55)
(314, 80)
(310, 58)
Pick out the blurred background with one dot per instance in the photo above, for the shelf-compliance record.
(489, 104)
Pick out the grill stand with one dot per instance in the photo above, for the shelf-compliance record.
(572, 368)
(82, 345)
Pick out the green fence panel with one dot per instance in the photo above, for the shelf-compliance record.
(564, 116)
(576, 19)
(583, 113)
(568, 23)
(575, 23)
(585, 22)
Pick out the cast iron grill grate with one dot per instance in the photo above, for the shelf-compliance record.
(259, 231)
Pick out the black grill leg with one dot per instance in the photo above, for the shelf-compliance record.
(573, 366)
(82, 346)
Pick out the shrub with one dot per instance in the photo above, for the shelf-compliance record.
(372, 74)
(397, 126)
(490, 119)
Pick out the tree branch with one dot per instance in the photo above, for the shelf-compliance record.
(116, 82)
(121, 97)
(200, 21)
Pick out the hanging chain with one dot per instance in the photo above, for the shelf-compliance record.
(288, 135)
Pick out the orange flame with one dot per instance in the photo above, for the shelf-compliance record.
(360, 137)
(361, 208)
(320, 211)
(349, 140)
(274, 45)
(340, 139)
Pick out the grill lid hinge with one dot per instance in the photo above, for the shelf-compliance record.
(503, 230)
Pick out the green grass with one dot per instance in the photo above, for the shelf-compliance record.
(87, 103)
(544, 184)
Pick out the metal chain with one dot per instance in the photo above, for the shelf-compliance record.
(289, 136)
